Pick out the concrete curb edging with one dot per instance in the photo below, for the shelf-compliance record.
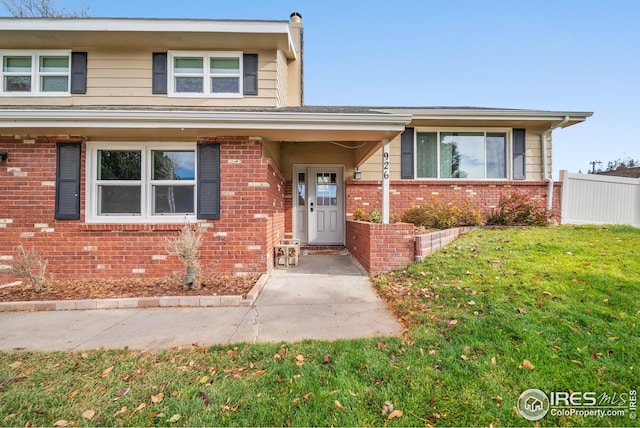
(139, 302)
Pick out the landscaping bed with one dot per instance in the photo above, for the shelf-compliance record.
(82, 289)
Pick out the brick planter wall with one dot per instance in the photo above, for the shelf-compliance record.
(404, 194)
(241, 242)
(381, 247)
(429, 243)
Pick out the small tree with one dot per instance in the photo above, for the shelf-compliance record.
(186, 246)
(40, 9)
(31, 266)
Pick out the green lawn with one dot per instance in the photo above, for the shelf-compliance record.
(565, 299)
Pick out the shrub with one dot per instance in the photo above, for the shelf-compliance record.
(517, 209)
(30, 265)
(186, 246)
(438, 214)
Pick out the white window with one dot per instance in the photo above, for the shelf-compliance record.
(141, 183)
(26, 73)
(464, 154)
(205, 74)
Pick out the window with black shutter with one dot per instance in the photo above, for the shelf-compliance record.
(208, 181)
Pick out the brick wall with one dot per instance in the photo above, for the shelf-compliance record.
(405, 194)
(241, 242)
(429, 243)
(380, 247)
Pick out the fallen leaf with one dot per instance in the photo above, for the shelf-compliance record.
(205, 398)
(258, 373)
(15, 364)
(101, 389)
(522, 310)
(157, 398)
(106, 372)
(139, 408)
(494, 361)
(387, 407)
(84, 355)
(122, 410)
(613, 339)
(325, 359)
(452, 322)
(464, 357)
(88, 414)
(395, 414)
(382, 345)
(527, 364)
(338, 404)
(175, 418)
(204, 379)
(121, 393)
(307, 396)
(353, 394)
(61, 423)
(432, 352)
(299, 360)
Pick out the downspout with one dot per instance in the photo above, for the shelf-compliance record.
(546, 176)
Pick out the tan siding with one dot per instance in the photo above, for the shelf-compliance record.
(124, 78)
(282, 79)
(372, 169)
(534, 155)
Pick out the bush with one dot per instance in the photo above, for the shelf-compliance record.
(440, 215)
(517, 209)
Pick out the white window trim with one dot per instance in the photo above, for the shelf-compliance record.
(146, 216)
(509, 149)
(35, 73)
(206, 74)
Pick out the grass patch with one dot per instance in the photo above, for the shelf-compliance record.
(563, 298)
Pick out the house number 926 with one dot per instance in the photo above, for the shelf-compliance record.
(385, 166)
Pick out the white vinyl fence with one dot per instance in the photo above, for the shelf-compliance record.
(599, 199)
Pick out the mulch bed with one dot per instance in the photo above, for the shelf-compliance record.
(109, 289)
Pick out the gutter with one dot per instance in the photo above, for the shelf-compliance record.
(546, 175)
(200, 119)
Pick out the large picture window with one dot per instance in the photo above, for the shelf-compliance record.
(213, 74)
(35, 73)
(466, 155)
(142, 182)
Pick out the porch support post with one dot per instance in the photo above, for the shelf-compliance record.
(386, 178)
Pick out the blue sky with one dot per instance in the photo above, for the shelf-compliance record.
(568, 55)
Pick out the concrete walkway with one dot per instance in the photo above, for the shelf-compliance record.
(324, 297)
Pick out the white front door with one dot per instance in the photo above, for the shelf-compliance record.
(319, 204)
(326, 206)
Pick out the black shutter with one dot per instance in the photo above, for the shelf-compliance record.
(208, 181)
(519, 154)
(406, 159)
(159, 73)
(78, 72)
(67, 181)
(250, 71)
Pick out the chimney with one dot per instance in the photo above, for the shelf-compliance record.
(296, 67)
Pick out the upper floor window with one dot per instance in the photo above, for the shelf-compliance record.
(471, 155)
(36, 73)
(211, 74)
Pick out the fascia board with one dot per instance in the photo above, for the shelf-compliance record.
(206, 120)
(144, 25)
(488, 114)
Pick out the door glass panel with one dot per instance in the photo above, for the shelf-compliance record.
(302, 197)
(326, 189)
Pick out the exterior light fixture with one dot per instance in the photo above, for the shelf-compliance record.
(357, 175)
